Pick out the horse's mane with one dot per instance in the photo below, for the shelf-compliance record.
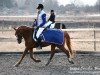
(24, 27)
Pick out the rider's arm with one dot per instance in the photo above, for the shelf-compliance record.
(35, 23)
(43, 20)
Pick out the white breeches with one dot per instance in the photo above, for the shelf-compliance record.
(47, 24)
(40, 30)
(52, 25)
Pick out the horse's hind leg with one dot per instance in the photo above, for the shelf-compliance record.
(67, 53)
(31, 55)
(68, 42)
(24, 53)
(52, 54)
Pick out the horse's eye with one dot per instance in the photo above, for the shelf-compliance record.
(15, 34)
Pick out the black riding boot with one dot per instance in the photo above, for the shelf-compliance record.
(38, 44)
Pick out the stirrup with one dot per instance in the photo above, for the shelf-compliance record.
(39, 47)
(35, 40)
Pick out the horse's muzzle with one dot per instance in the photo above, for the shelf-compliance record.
(19, 41)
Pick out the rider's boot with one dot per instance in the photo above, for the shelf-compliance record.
(38, 44)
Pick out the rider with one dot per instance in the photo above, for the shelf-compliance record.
(39, 22)
(52, 19)
(51, 23)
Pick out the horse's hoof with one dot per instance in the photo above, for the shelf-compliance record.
(71, 62)
(16, 65)
(38, 61)
(46, 64)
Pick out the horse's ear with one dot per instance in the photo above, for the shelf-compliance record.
(15, 29)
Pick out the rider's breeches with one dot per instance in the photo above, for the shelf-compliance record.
(52, 25)
(40, 30)
(47, 24)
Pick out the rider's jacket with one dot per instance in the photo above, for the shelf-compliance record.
(41, 18)
(52, 18)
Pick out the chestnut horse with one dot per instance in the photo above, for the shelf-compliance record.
(26, 33)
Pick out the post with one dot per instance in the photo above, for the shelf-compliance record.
(94, 38)
(2, 26)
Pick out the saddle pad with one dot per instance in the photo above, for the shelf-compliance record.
(54, 36)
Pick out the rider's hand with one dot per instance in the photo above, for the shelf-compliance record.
(35, 27)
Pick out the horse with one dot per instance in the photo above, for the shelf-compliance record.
(60, 26)
(26, 33)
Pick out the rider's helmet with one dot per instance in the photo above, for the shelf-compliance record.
(52, 10)
(40, 6)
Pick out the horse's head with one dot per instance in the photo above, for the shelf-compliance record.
(23, 32)
(18, 34)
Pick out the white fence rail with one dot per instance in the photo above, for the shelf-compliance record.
(86, 35)
(85, 39)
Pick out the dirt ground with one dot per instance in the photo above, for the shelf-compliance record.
(84, 64)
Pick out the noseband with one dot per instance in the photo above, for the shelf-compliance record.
(19, 39)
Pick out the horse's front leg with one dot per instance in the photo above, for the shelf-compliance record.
(31, 55)
(52, 54)
(24, 53)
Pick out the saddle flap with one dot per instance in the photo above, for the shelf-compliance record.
(53, 36)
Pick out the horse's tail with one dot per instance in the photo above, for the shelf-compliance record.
(68, 42)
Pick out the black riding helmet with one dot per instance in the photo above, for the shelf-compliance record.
(40, 6)
(52, 10)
